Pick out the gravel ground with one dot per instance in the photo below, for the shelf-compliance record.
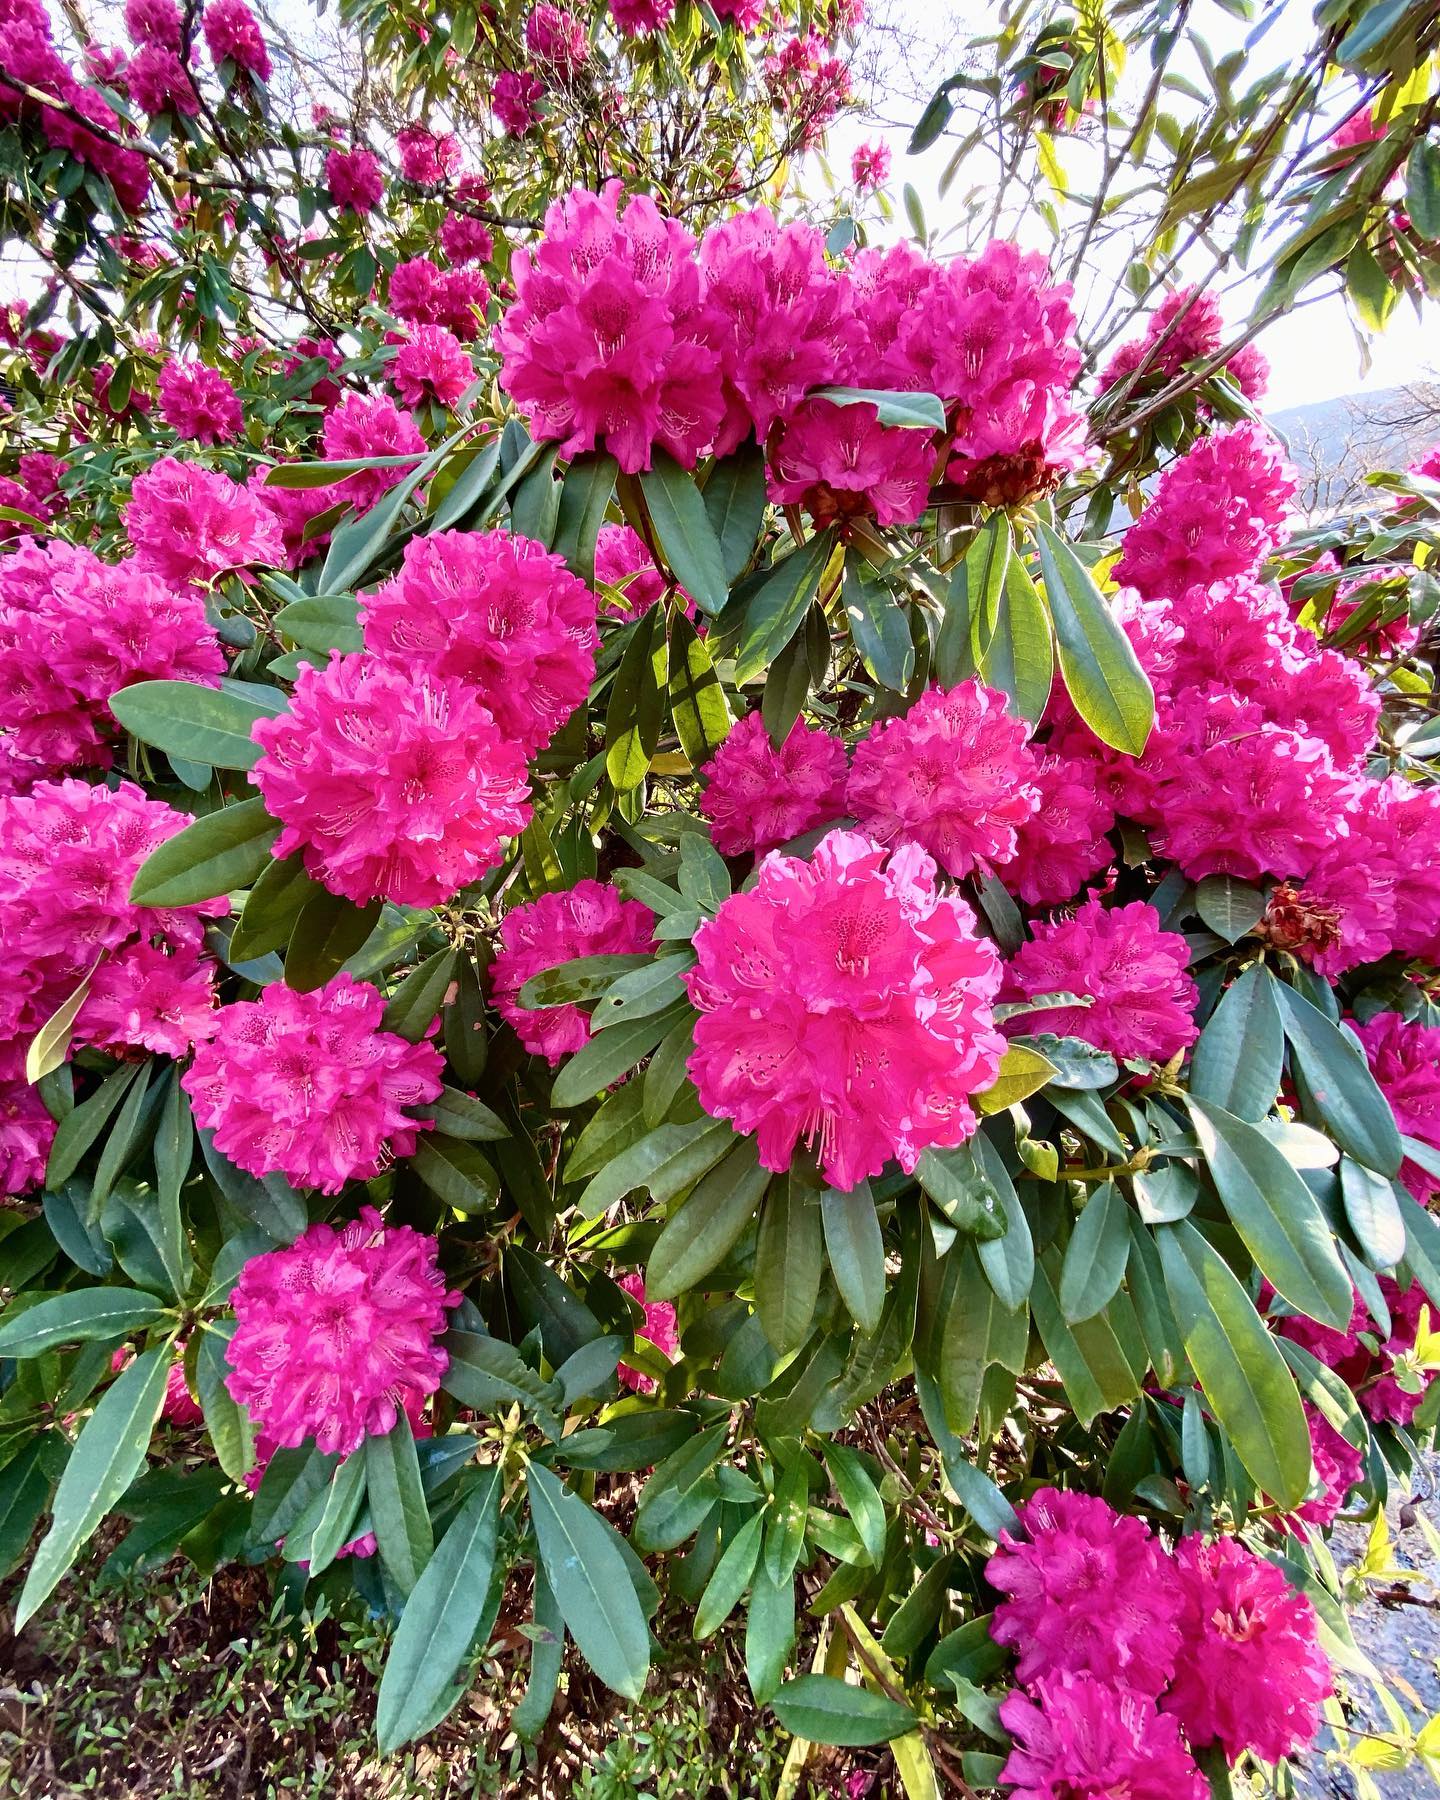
(1403, 1641)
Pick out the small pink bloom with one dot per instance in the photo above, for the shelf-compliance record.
(658, 1329)
(757, 797)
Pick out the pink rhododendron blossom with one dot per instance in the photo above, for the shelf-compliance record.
(1060, 846)
(1217, 511)
(658, 1329)
(427, 158)
(309, 1086)
(465, 240)
(1087, 1592)
(68, 854)
(1384, 1395)
(155, 22)
(1404, 1058)
(1339, 1467)
(1252, 1675)
(844, 1003)
(1133, 971)
(500, 612)
(390, 784)
(514, 101)
(362, 426)
(179, 1407)
(148, 999)
(336, 1334)
(556, 38)
(622, 561)
(422, 293)
(157, 81)
(1186, 328)
(839, 463)
(232, 33)
(1413, 835)
(1359, 129)
(75, 630)
(198, 402)
(589, 919)
(870, 166)
(608, 343)
(431, 365)
(757, 797)
(639, 18)
(192, 524)
(808, 85)
(355, 180)
(955, 774)
(1082, 1739)
(745, 15)
(783, 320)
(294, 508)
(26, 1134)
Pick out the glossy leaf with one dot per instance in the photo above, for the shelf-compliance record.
(1346, 1095)
(789, 1259)
(824, 1710)
(707, 1225)
(203, 724)
(1095, 1257)
(1102, 673)
(591, 1584)
(223, 851)
(685, 533)
(78, 1317)
(856, 1251)
(1239, 1059)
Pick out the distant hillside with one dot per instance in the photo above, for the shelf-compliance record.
(1335, 443)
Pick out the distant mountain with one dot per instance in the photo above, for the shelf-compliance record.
(1336, 443)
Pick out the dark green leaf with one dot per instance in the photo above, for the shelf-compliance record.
(486, 1371)
(1096, 1255)
(460, 1115)
(769, 1633)
(880, 629)
(608, 1056)
(1346, 1095)
(416, 1003)
(323, 622)
(775, 611)
(272, 908)
(79, 1129)
(636, 712)
(685, 533)
(327, 933)
(591, 1583)
(789, 1256)
(1240, 1056)
(223, 851)
(77, 1317)
(698, 707)
(398, 1513)
(856, 1251)
(1373, 1208)
(1228, 906)
(730, 1578)
(825, 1710)
(206, 725)
(734, 498)
(1019, 657)
(707, 1225)
(1102, 674)
(973, 600)
(1422, 189)
(588, 486)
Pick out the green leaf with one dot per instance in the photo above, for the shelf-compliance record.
(608, 1056)
(274, 904)
(1246, 1382)
(1346, 1095)
(460, 1115)
(1371, 291)
(734, 496)
(356, 542)
(1228, 906)
(398, 1513)
(416, 1003)
(825, 1710)
(206, 725)
(1009, 1261)
(1099, 1367)
(1102, 674)
(223, 851)
(485, 1371)
(122, 1143)
(1422, 189)
(774, 613)
(49, 1049)
(1095, 1257)
(1019, 658)
(109, 1453)
(547, 1652)
(880, 629)
(856, 1251)
(789, 1256)
(1023, 1071)
(327, 933)
(588, 485)
(323, 622)
(958, 1184)
(441, 1619)
(685, 533)
(269, 1202)
(461, 1175)
(730, 1578)
(859, 1496)
(973, 601)
(173, 1150)
(329, 1522)
(591, 1583)
(707, 1225)
(1373, 1208)
(79, 1129)
(1240, 1057)
(787, 686)
(24, 1489)
(698, 707)
(769, 1633)
(228, 1423)
(636, 711)
(1275, 1213)
(77, 1318)
(924, 412)
(785, 1537)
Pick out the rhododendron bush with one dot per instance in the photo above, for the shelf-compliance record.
(673, 960)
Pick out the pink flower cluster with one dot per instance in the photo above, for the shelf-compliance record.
(1132, 971)
(422, 293)
(1369, 1373)
(626, 334)
(1404, 1058)
(309, 1086)
(589, 919)
(364, 426)
(355, 179)
(197, 402)
(1136, 1657)
(232, 34)
(431, 366)
(428, 158)
(336, 1334)
(809, 86)
(757, 797)
(68, 854)
(844, 1003)
(194, 524)
(1186, 328)
(73, 631)
(556, 39)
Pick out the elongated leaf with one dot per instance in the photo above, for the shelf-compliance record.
(1241, 1053)
(924, 412)
(706, 1227)
(329, 1522)
(590, 1581)
(608, 1056)
(1098, 1367)
(486, 1371)
(228, 1423)
(274, 904)
(775, 611)
(734, 498)
(1230, 907)
(859, 1497)
(205, 725)
(1422, 189)
(1009, 1261)
(1102, 673)
(730, 1578)
(699, 710)
(588, 487)
(440, 1621)
(24, 1489)
(958, 1184)
(223, 851)
(77, 1317)
(636, 711)
(1346, 1095)
(416, 1003)
(824, 1710)
(973, 601)
(108, 1455)
(686, 535)
(49, 1049)
(122, 1143)
(856, 1251)
(1246, 1383)
(460, 1115)
(327, 933)
(664, 1163)
(1276, 1214)
(1096, 1255)
(1019, 658)
(323, 622)
(356, 542)
(1373, 1208)
(79, 1129)
(173, 1149)
(880, 630)
(769, 1633)
(398, 1512)
(789, 1257)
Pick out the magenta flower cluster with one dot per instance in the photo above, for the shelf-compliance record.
(1136, 1657)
